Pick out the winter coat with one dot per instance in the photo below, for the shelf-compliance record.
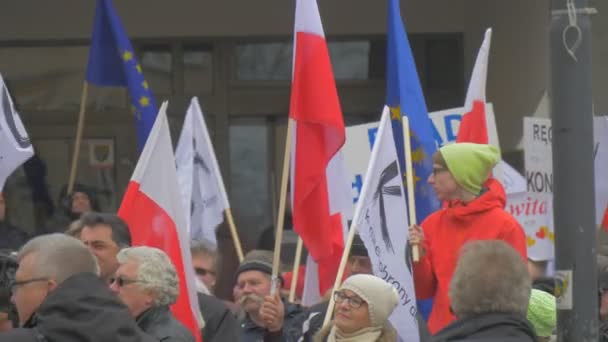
(81, 309)
(307, 324)
(160, 323)
(447, 230)
(12, 237)
(491, 327)
(388, 334)
(220, 323)
(250, 332)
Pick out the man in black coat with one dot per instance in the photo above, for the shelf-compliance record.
(60, 297)
(220, 322)
(490, 291)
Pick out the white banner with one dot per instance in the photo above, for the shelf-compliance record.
(360, 138)
(539, 159)
(15, 145)
(202, 188)
(381, 220)
(526, 208)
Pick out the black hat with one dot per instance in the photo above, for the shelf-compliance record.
(257, 260)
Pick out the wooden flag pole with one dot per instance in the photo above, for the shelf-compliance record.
(409, 174)
(296, 270)
(78, 141)
(338, 281)
(235, 235)
(278, 238)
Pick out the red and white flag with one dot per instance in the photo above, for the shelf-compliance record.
(474, 127)
(605, 220)
(152, 207)
(319, 193)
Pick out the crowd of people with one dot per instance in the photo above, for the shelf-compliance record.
(86, 282)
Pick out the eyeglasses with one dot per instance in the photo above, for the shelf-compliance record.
(16, 284)
(354, 302)
(120, 281)
(438, 170)
(203, 272)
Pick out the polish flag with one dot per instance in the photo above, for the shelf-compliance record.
(152, 207)
(320, 191)
(474, 127)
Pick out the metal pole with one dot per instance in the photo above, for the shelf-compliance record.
(573, 171)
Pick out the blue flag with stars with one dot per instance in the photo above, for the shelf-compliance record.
(404, 97)
(112, 63)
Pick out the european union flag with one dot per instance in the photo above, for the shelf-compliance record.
(112, 62)
(404, 97)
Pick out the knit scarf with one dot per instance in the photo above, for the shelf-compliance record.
(363, 335)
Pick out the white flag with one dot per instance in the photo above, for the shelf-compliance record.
(15, 145)
(381, 219)
(203, 192)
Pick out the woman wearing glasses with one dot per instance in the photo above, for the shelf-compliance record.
(363, 305)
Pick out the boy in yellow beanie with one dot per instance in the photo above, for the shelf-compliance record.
(473, 210)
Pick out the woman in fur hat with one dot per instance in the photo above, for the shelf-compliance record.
(363, 305)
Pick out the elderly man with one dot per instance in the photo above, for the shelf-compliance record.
(146, 281)
(59, 296)
(473, 210)
(490, 292)
(105, 235)
(265, 315)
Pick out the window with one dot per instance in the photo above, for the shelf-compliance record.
(51, 78)
(157, 64)
(198, 69)
(273, 61)
(263, 61)
(249, 170)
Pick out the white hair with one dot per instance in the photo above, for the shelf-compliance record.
(490, 277)
(58, 256)
(155, 272)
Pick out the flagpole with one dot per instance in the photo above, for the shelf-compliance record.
(340, 275)
(77, 142)
(278, 238)
(296, 270)
(235, 234)
(409, 175)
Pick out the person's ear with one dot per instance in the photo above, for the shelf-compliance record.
(52, 284)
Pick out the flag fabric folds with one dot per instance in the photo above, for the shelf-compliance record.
(318, 136)
(382, 221)
(112, 63)
(152, 208)
(201, 184)
(404, 97)
(474, 127)
(15, 145)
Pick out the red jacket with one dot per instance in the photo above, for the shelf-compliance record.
(447, 230)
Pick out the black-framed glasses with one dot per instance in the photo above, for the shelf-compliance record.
(18, 283)
(354, 302)
(203, 271)
(120, 281)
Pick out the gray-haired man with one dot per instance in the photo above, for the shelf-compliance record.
(59, 296)
(146, 281)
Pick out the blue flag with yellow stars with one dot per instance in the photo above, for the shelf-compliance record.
(404, 97)
(112, 63)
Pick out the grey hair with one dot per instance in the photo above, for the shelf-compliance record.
(58, 256)
(205, 248)
(490, 277)
(155, 272)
